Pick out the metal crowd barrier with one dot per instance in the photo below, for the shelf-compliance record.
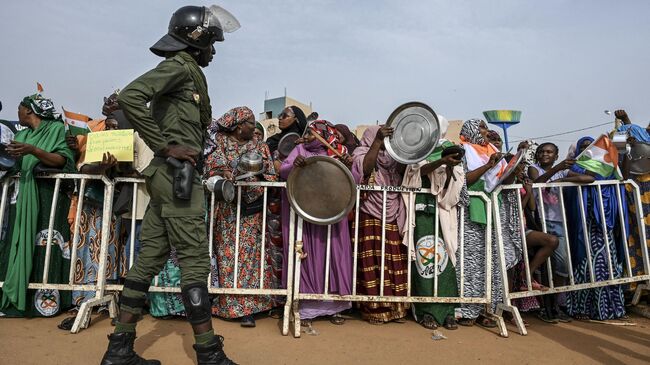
(627, 276)
(83, 315)
(236, 290)
(434, 298)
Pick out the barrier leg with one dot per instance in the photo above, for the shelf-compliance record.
(112, 306)
(290, 269)
(296, 277)
(514, 311)
(639, 290)
(82, 320)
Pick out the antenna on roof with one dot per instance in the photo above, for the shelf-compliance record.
(285, 91)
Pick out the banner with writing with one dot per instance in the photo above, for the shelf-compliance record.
(119, 143)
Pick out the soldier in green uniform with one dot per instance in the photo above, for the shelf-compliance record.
(169, 106)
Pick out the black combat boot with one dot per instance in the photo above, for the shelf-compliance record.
(120, 351)
(212, 353)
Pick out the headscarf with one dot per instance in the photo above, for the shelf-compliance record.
(232, 118)
(639, 133)
(579, 149)
(471, 132)
(298, 126)
(41, 106)
(261, 128)
(326, 130)
(227, 123)
(351, 141)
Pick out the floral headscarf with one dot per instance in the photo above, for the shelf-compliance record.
(233, 117)
(41, 106)
(471, 132)
(227, 123)
(326, 130)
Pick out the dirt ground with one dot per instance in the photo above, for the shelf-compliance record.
(38, 341)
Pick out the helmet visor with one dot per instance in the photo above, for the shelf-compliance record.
(216, 16)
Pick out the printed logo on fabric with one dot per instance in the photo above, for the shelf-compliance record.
(425, 259)
(57, 239)
(47, 301)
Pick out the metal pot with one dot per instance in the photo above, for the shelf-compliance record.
(224, 190)
(250, 164)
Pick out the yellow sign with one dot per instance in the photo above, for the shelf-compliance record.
(119, 143)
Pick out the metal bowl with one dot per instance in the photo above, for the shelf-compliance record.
(416, 133)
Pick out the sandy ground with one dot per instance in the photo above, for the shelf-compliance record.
(38, 341)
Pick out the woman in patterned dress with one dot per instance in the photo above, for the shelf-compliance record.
(604, 302)
(230, 137)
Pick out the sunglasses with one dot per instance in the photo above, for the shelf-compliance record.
(284, 115)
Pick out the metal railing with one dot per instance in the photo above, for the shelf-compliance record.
(408, 298)
(83, 315)
(613, 279)
(286, 293)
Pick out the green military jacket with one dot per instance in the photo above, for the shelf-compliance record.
(163, 105)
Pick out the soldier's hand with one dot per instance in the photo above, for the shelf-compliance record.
(181, 153)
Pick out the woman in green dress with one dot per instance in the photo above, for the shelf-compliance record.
(22, 251)
(446, 179)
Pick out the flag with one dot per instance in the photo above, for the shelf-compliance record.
(39, 87)
(76, 123)
(600, 157)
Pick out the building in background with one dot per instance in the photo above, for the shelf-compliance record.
(453, 131)
(272, 107)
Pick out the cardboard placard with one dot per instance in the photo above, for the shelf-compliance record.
(119, 143)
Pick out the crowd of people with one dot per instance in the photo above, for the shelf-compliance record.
(451, 171)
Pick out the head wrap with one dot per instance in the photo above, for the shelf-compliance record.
(579, 143)
(261, 128)
(351, 141)
(301, 119)
(471, 132)
(326, 130)
(233, 117)
(298, 127)
(639, 133)
(41, 106)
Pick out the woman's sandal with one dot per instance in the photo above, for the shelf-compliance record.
(337, 319)
(581, 317)
(466, 322)
(429, 322)
(486, 322)
(67, 323)
(450, 323)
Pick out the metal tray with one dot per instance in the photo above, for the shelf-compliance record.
(323, 191)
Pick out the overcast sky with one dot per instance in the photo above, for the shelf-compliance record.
(561, 62)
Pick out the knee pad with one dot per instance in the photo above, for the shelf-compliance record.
(196, 302)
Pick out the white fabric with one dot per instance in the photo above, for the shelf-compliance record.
(447, 201)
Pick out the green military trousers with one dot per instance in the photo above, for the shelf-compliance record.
(168, 222)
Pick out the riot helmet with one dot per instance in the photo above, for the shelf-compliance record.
(197, 27)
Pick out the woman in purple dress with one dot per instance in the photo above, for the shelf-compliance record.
(312, 267)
